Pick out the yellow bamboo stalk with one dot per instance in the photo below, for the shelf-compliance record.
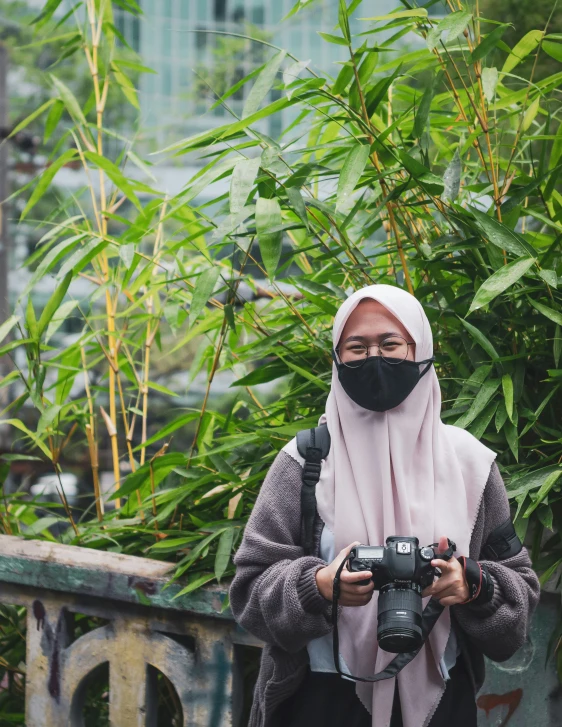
(92, 443)
(112, 431)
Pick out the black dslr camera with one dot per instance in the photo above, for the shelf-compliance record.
(401, 570)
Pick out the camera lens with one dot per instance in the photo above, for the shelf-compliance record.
(399, 618)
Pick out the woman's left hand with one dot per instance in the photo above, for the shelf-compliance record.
(452, 587)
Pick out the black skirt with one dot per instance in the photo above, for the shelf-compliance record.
(327, 700)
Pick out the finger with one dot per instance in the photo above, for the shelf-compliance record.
(347, 550)
(443, 544)
(444, 565)
(448, 592)
(451, 581)
(352, 577)
(355, 589)
(451, 600)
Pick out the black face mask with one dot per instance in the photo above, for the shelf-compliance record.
(378, 385)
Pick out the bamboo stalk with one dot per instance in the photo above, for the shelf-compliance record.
(112, 431)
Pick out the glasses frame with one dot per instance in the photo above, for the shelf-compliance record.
(375, 345)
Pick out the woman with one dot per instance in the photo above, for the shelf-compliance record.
(393, 469)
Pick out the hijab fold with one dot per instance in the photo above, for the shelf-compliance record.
(399, 472)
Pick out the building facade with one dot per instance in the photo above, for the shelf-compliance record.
(196, 49)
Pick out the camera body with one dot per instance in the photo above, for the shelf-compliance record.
(401, 570)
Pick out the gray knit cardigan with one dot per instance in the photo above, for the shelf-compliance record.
(275, 597)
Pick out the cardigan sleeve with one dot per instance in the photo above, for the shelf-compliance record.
(499, 628)
(274, 593)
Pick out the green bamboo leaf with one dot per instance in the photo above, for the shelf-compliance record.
(481, 400)
(243, 178)
(31, 117)
(526, 45)
(510, 431)
(7, 326)
(554, 50)
(297, 203)
(45, 180)
(549, 313)
(62, 314)
(453, 24)
(69, 100)
(422, 116)
(557, 345)
(415, 13)
(31, 320)
(116, 176)
(507, 387)
(203, 291)
(133, 66)
(489, 83)
(34, 438)
(268, 217)
(140, 164)
(306, 374)
(556, 151)
(177, 423)
(500, 235)
(291, 74)
(81, 257)
(337, 39)
(480, 425)
(224, 549)
(488, 44)
(195, 584)
(229, 130)
(452, 178)
(549, 277)
(343, 79)
(500, 281)
(480, 338)
(127, 87)
(52, 120)
(53, 304)
(530, 113)
(50, 260)
(263, 84)
(343, 20)
(161, 468)
(546, 487)
(350, 174)
(47, 13)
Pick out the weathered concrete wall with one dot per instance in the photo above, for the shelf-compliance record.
(524, 691)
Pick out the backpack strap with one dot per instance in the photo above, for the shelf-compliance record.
(314, 446)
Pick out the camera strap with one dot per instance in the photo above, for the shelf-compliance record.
(313, 445)
(430, 616)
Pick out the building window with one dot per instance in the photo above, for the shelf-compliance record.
(220, 10)
(200, 39)
(238, 15)
(258, 15)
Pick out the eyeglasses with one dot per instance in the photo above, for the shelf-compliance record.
(393, 349)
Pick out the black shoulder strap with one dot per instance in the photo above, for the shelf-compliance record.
(502, 543)
(313, 446)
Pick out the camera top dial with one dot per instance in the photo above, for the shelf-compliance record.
(427, 554)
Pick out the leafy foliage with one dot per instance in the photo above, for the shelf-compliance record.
(435, 169)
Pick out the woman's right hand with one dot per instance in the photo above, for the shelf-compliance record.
(351, 594)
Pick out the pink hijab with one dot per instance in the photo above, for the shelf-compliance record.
(400, 472)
